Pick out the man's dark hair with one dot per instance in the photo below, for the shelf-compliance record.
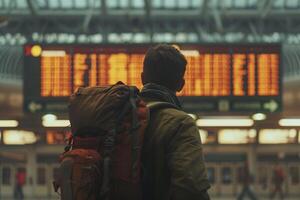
(164, 65)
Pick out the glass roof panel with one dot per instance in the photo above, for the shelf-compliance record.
(41, 3)
(67, 4)
(292, 3)
(157, 3)
(184, 4)
(53, 4)
(252, 3)
(6, 3)
(240, 3)
(81, 4)
(214, 3)
(123, 3)
(112, 3)
(137, 3)
(226, 3)
(21, 4)
(166, 4)
(245, 3)
(196, 3)
(170, 4)
(97, 3)
(278, 4)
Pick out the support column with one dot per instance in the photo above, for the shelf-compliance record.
(31, 167)
(251, 155)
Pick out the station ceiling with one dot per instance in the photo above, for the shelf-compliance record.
(205, 20)
(144, 21)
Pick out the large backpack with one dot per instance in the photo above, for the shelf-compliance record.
(103, 158)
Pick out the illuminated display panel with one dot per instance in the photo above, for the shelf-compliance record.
(59, 79)
(208, 74)
(55, 76)
(212, 70)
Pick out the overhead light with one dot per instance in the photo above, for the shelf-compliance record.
(53, 53)
(18, 137)
(233, 136)
(252, 133)
(259, 116)
(289, 122)
(236, 136)
(50, 120)
(225, 122)
(292, 133)
(8, 123)
(276, 136)
(225, 117)
(36, 50)
(49, 117)
(56, 123)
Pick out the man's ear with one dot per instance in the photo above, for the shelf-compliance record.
(181, 85)
(143, 78)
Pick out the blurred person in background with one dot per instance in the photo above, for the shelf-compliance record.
(246, 179)
(19, 183)
(278, 180)
(173, 165)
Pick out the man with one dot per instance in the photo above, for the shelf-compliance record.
(20, 182)
(246, 179)
(278, 180)
(173, 166)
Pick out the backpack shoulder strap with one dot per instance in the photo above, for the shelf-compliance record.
(157, 105)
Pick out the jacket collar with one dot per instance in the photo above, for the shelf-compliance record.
(160, 93)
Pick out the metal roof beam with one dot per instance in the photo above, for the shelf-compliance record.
(147, 7)
(32, 7)
(253, 29)
(103, 8)
(88, 16)
(160, 14)
(218, 20)
(200, 31)
(203, 8)
(9, 7)
(265, 7)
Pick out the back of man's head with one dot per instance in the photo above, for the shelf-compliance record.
(164, 65)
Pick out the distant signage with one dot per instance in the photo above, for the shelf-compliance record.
(222, 78)
(233, 104)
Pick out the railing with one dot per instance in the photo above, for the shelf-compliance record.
(11, 65)
(291, 62)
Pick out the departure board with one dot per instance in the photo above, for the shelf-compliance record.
(218, 77)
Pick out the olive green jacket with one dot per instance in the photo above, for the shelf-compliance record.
(172, 158)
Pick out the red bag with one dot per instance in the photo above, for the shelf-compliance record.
(103, 158)
(279, 175)
(21, 178)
